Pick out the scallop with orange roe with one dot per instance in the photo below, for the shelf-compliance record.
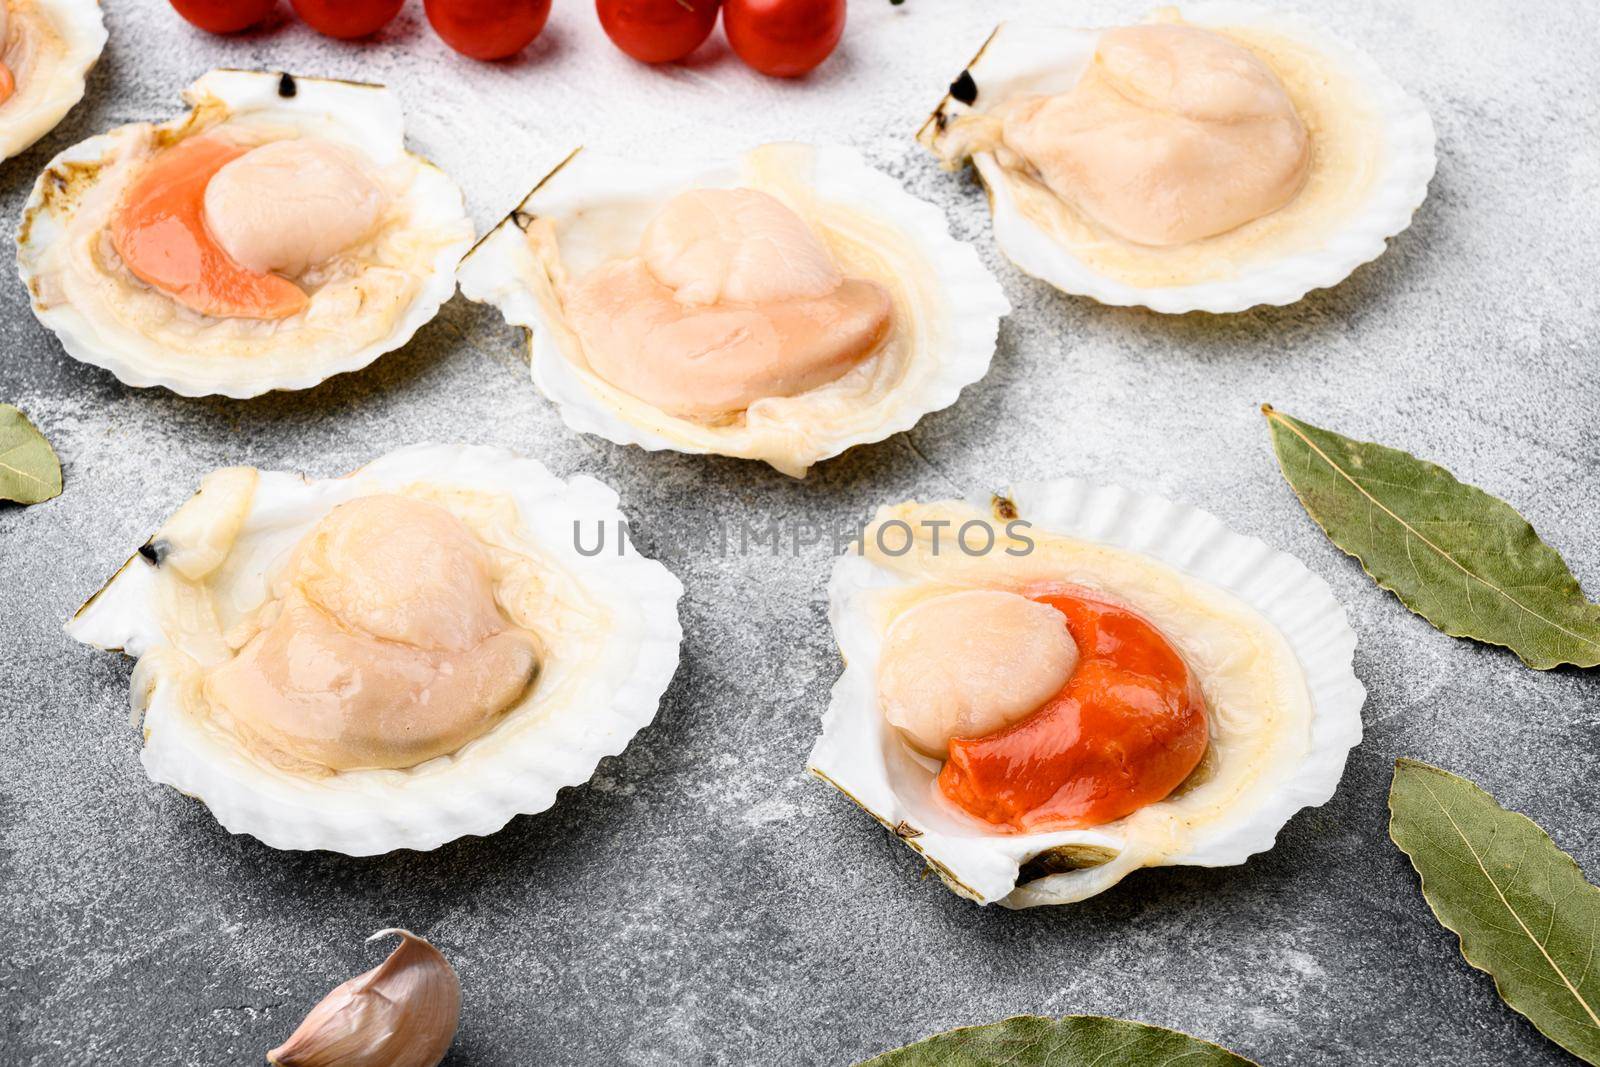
(1046, 691)
(275, 235)
(1124, 731)
(161, 235)
(47, 48)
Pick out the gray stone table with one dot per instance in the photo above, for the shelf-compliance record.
(702, 901)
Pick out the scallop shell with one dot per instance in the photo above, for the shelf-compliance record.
(1033, 57)
(83, 36)
(865, 759)
(503, 271)
(365, 116)
(478, 789)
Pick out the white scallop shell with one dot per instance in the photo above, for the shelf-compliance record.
(83, 36)
(863, 758)
(1032, 57)
(365, 116)
(474, 791)
(502, 271)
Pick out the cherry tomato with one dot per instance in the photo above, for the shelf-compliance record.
(783, 38)
(224, 16)
(346, 19)
(487, 29)
(657, 31)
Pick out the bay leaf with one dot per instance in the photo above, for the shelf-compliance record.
(1521, 907)
(1460, 558)
(29, 470)
(1072, 1041)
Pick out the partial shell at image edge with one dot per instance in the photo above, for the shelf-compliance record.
(527, 771)
(1299, 604)
(83, 29)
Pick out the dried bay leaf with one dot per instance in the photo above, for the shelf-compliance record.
(1072, 1041)
(29, 470)
(1522, 908)
(1460, 558)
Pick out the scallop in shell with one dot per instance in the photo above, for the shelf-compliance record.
(47, 48)
(1210, 159)
(1262, 638)
(277, 234)
(782, 306)
(392, 659)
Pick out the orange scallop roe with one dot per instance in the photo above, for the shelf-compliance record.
(160, 233)
(1125, 731)
(8, 83)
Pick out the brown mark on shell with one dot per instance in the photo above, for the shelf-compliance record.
(1064, 858)
(59, 188)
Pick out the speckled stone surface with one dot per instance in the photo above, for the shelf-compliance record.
(701, 901)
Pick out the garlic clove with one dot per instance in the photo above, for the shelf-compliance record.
(402, 1013)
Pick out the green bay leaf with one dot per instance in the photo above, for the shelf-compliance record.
(1460, 558)
(1073, 1041)
(1522, 908)
(29, 470)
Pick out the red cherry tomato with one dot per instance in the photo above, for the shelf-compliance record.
(224, 16)
(487, 29)
(657, 31)
(346, 19)
(783, 38)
